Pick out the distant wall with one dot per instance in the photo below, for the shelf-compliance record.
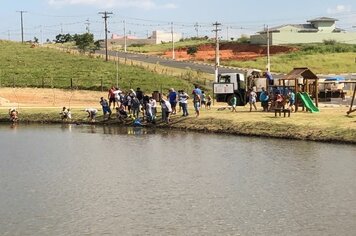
(295, 38)
(129, 42)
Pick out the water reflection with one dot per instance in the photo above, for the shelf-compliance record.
(97, 180)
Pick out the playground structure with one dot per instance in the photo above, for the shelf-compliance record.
(304, 83)
(352, 101)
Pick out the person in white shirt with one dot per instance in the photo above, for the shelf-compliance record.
(153, 104)
(166, 110)
(91, 114)
(183, 100)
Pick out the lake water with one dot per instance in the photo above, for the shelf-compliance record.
(86, 180)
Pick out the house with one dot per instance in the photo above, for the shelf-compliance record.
(315, 31)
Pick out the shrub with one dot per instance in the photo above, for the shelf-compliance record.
(329, 41)
(192, 50)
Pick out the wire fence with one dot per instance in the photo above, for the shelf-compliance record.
(183, 79)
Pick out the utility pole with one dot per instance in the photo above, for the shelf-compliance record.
(173, 53)
(227, 33)
(61, 28)
(268, 56)
(87, 23)
(105, 13)
(117, 70)
(125, 37)
(217, 56)
(196, 27)
(41, 31)
(8, 35)
(21, 12)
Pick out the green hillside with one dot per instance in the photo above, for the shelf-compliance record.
(23, 66)
(320, 58)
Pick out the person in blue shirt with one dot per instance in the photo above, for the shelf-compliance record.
(197, 90)
(106, 108)
(269, 77)
(172, 97)
(291, 100)
(264, 98)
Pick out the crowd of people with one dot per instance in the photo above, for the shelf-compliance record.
(140, 107)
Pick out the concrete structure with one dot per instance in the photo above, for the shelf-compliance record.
(157, 37)
(316, 31)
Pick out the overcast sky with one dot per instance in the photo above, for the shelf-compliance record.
(189, 17)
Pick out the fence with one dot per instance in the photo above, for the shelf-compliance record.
(120, 73)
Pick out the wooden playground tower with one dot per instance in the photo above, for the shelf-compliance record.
(309, 85)
(352, 100)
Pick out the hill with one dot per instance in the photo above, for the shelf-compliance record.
(323, 58)
(24, 66)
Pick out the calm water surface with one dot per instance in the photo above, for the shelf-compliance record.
(83, 180)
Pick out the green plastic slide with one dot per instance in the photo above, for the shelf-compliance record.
(307, 101)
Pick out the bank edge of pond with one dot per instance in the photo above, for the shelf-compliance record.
(224, 126)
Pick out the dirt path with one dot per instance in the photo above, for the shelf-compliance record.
(35, 97)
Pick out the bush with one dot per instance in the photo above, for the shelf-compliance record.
(192, 50)
(137, 45)
(329, 41)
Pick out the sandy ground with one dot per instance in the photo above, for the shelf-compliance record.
(33, 97)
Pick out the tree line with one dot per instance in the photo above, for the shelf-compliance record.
(84, 42)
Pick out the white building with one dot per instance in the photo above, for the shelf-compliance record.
(316, 31)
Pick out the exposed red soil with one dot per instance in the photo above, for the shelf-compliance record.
(229, 51)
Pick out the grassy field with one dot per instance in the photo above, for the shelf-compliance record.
(322, 58)
(22, 66)
(330, 63)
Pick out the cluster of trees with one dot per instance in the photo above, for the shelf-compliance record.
(84, 42)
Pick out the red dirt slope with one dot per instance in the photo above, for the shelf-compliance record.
(229, 51)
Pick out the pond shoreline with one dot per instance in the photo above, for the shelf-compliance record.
(216, 126)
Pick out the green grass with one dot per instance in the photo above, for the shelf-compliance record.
(328, 63)
(329, 125)
(22, 66)
(323, 58)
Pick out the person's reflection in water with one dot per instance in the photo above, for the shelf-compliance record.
(66, 127)
(13, 126)
(136, 131)
(92, 129)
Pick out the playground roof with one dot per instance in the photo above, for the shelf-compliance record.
(300, 72)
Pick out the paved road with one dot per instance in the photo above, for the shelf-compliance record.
(171, 63)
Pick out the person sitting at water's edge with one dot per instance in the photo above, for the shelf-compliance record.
(65, 114)
(13, 113)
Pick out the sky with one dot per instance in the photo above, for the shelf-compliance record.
(45, 19)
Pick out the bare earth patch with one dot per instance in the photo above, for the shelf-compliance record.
(34, 97)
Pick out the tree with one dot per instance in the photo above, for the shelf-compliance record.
(35, 39)
(97, 45)
(63, 38)
(84, 41)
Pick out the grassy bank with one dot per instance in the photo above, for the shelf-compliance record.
(322, 58)
(23, 66)
(328, 125)
(330, 63)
